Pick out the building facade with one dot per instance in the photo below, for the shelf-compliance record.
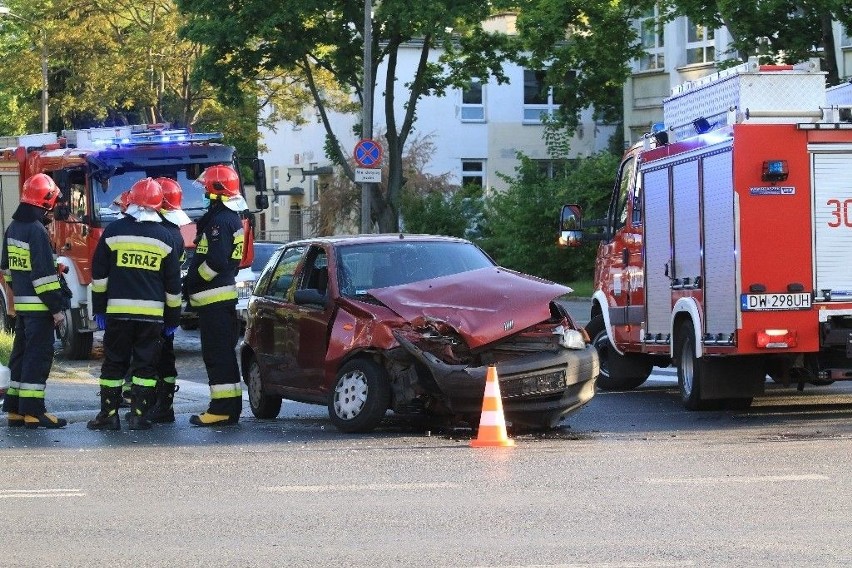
(682, 51)
(477, 134)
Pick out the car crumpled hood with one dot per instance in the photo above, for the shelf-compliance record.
(482, 305)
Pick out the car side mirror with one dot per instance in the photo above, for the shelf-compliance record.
(571, 226)
(258, 167)
(261, 201)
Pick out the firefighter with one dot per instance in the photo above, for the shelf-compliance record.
(173, 219)
(28, 266)
(210, 285)
(135, 291)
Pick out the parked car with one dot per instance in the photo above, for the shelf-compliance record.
(411, 323)
(247, 277)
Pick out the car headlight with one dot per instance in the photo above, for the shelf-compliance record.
(570, 338)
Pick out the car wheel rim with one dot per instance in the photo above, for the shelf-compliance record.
(350, 395)
(254, 385)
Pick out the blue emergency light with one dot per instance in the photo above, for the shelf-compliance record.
(774, 170)
(155, 137)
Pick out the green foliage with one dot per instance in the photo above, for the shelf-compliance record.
(6, 340)
(455, 213)
(520, 225)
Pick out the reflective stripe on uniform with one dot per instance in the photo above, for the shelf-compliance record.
(141, 382)
(135, 307)
(206, 272)
(172, 300)
(220, 294)
(111, 383)
(100, 284)
(29, 304)
(46, 284)
(31, 390)
(225, 391)
(19, 254)
(239, 239)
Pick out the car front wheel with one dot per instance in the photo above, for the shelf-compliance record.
(262, 405)
(360, 396)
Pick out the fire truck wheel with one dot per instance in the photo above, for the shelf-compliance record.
(617, 372)
(75, 345)
(691, 370)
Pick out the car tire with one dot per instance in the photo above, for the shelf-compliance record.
(360, 397)
(263, 406)
(691, 370)
(76, 345)
(617, 372)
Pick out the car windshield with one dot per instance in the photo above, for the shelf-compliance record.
(379, 265)
(262, 253)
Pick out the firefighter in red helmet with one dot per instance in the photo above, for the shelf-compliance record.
(135, 293)
(28, 266)
(173, 219)
(211, 286)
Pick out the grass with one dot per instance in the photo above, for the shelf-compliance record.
(5, 347)
(582, 288)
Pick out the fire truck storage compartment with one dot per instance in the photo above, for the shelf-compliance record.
(831, 164)
(703, 245)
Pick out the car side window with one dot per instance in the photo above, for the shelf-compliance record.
(316, 271)
(282, 276)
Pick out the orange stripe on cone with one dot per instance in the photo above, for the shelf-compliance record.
(492, 425)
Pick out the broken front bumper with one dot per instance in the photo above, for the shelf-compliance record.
(537, 389)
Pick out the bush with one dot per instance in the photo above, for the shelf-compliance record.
(5, 347)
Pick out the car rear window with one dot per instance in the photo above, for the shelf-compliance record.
(379, 265)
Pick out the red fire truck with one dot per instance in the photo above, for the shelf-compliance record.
(93, 167)
(727, 247)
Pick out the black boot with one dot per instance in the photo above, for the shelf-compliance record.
(43, 420)
(107, 418)
(142, 400)
(163, 410)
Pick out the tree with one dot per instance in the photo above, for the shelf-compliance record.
(776, 30)
(520, 229)
(302, 37)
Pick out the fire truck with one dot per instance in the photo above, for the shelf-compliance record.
(727, 247)
(92, 167)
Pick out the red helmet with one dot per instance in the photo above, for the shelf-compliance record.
(40, 190)
(146, 193)
(221, 180)
(172, 194)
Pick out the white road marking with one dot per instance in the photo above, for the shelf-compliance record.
(637, 564)
(740, 479)
(39, 493)
(359, 487)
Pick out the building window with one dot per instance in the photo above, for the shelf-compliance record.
(473, 107)
(553, 169)
(473, 173)
(651, 36)
(276, 209)
(296, 231)
(538, 99)
(274, 177)
(699, 44)
(845, 37)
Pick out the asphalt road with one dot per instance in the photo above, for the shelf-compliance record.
(630, 480)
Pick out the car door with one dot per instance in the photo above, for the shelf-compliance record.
(311, 319)
(268, 335)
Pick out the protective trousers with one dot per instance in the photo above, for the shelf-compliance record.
(217, 324)
(29, 363)
(125, 341)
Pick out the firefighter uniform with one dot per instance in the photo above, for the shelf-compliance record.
(28, 266)
(212, 291)
(136, 285)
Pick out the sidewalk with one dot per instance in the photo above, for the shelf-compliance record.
(73, 394)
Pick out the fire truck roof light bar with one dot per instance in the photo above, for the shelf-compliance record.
(825, 126)
(163, 137)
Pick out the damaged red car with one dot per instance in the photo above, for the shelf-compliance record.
(410, 323)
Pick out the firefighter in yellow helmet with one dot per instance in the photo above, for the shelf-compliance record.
(135, 293)
(211, 286)
(27, 263)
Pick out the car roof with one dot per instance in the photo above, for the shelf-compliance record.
(377, 238)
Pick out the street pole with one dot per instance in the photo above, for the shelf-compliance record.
(44, 62)
(367, 112)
